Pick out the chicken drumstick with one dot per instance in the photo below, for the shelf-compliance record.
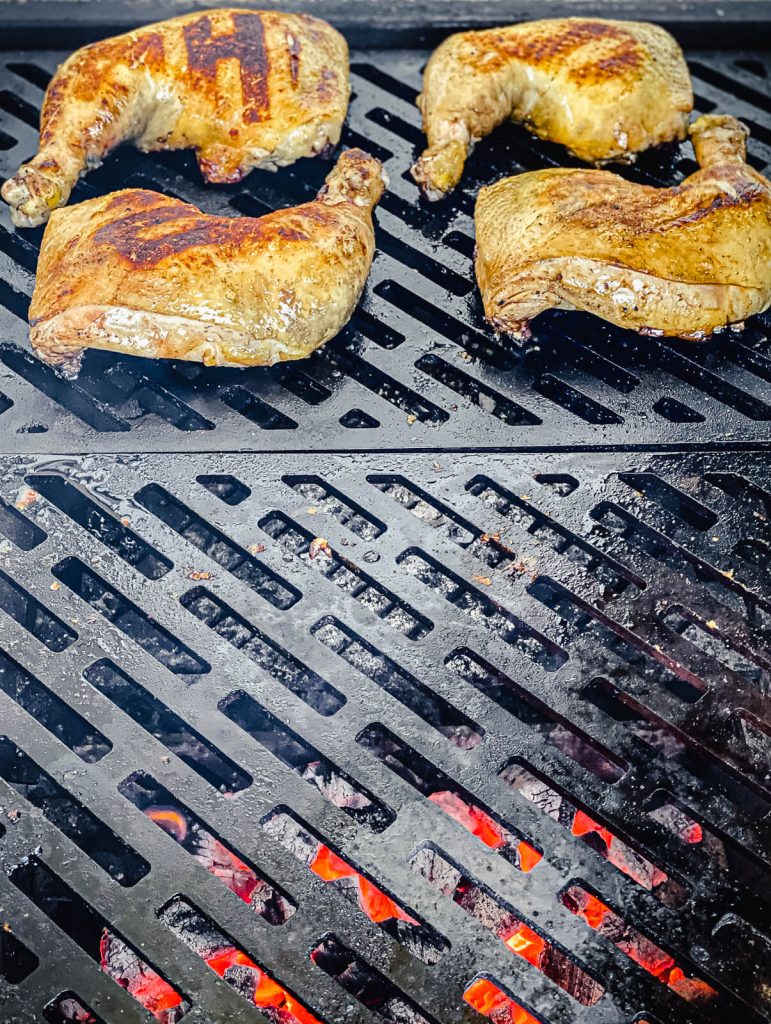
(140, 273)
(604, 89)
(684, 261)
(243, 88)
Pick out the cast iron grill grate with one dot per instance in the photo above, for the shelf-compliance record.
(516, 715)
(417, 367)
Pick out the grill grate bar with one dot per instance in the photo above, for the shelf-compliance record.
(609, 749)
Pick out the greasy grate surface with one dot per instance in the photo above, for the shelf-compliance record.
(569, 656)
(417, 367)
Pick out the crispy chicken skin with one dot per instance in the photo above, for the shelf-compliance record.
(684, 261)
(243, 88)
(139, 273)
(604, 89)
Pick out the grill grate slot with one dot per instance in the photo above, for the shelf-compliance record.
(365, 983)
(285, 744)
(231, 963)
(16, 961)
(95, 838)
(217, 546)
(167, 727)
(46, 627)
(505, 923)
(483, 610)
(51, 711)
(112, 532)
(400, 683)
(636, 946)
(88, 929)
(454, 800)
(68, 1007)
(186, 829)
(317, 554)
(18, 528)
(415, 935)
(270, 656)
(129, 619)
(637, 867)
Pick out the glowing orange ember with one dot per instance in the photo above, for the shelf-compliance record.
(376, 905)
(158, 997)
(267, 992)
(487, 999)
(528, 856)
(170, 820)
(594, 911)
(526, 943)
(637, 947)
(582, 824)
(692, 833)
(139, 979)
(209, 852)
(476, 821)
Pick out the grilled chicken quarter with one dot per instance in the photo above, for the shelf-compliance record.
(683, 261)
(604, 89)
(139, 273)
(243, 88)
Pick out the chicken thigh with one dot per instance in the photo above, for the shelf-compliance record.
(139, 273)
(243, 88)
(604, 89)
(684, 261)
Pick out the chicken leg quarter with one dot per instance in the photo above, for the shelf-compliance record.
(604, 89)
(684, 261)
(243, 88)
(140, 273)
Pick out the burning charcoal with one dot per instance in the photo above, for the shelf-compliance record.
(140, 980)
(243, 979)
(291, 835)
(380, 908)
(200, 934)
(68, 1008)
(491, 1002)
(503, 922)
(364, 983)
(221, 862)
(537, 792)
(569, 976)
(677, 821)
(638, 947)
(600, 839)
(204, 938)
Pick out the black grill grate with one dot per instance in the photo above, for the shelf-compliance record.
(567, 653)
(417, 367)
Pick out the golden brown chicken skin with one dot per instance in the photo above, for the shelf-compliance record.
(243, 88)
(604, 89)
(684, 261)
(142, 274)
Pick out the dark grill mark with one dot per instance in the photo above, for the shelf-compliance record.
(246, 44)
